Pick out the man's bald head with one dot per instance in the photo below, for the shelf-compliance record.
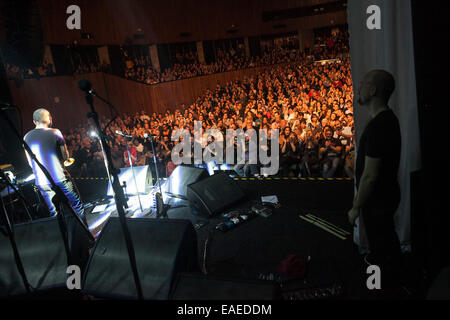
(382, 82)
(42, 117)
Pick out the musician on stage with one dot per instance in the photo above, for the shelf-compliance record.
(50, 149)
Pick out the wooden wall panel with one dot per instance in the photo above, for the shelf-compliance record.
(61, 96)
(170, 95)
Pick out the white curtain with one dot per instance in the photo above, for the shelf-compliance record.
(390, 48)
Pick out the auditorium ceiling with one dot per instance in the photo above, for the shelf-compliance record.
(146, 22)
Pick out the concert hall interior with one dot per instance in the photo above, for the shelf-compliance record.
(218, 150)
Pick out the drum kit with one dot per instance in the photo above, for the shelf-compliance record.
(19, 192)
(13, 188)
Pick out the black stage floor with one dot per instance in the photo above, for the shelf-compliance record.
(254, 249)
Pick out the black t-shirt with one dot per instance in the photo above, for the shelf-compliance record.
(381, 139)
(45, 145)
(288, 152)
(329, 152)
(311, 151)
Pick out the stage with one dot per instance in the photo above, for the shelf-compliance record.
(304, 248)
(255, 248)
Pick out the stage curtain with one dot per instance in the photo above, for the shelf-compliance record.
(154, 57)
(103, 55)
(390, 48)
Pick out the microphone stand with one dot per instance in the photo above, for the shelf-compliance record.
(118, 191)
(12, 239)
(59, 197)
(134, 176)
(161, 208)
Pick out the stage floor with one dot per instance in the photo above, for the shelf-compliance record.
(254, 249)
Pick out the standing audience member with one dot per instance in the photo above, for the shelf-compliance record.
(330, 152)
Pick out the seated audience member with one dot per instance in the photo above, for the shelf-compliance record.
(117, 157)
(133, 153)
(349, 166)
(310, 162)
(288, 150)
(330, 152)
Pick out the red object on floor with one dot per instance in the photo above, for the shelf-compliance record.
(292, 266)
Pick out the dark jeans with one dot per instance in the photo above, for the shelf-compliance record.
(243, 170)
(385, 250)
(286, 162)
(330, 166)
(72, 194)
(79, 242)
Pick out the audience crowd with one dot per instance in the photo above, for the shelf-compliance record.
(47, 69)
(187, 65)
(307, 100)
(87, 67)
(309, 103)
(184, 65)
(17, 73)
(141, 69)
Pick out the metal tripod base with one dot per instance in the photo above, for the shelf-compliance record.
(161, 208)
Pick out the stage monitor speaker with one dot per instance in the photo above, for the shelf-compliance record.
(143, 180)
(181, 177)
(162, 248)
(201, 287)
(440, 288)
(41, 249)
(214, 194)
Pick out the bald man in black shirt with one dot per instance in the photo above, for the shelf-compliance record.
(377, 162)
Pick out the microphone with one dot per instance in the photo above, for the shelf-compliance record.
(85, 86)
(120, 133)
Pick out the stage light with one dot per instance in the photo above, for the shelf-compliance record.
(93, 134)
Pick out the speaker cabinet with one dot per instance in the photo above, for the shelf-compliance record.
(440, 289)
(201, 287)
(143, 176)
(41, 249)
(162, 248)
(181, 177)
(214, 194)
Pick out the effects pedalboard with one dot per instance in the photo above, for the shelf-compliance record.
(237, 217)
